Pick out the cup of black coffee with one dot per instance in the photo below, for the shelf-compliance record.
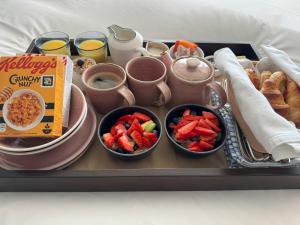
(105, 86)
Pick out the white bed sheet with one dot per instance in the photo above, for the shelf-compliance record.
(273, 22)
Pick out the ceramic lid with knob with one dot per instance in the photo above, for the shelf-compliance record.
(192, 68)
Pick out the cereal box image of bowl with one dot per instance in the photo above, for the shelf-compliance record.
(31, 96)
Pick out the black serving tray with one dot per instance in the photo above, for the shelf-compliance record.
(155, 179)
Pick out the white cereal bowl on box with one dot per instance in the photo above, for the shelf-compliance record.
(36, 121)
(78, 111)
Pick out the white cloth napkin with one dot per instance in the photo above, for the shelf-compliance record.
(283, 61)
(275, 134)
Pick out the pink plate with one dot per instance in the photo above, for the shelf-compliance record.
(58, 157)
(78, 109)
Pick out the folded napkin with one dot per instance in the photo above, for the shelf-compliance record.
(279, 137)
(283, 61)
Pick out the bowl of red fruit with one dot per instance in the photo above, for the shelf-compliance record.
(195, 130)
(130, 132)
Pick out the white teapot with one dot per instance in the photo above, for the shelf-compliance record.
(124, 44)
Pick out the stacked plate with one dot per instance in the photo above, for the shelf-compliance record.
(53, 153)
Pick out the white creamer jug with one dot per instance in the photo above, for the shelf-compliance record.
(124, 44)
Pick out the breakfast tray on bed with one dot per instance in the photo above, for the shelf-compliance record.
(165, 169)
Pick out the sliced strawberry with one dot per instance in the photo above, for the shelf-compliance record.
(209, 115)
(108, 140)
(181, 124)
(151, 136)
(141, 117)
(215, 121)
(120, 128)
(208, 138)
(212, 125)
(186, 112)
(137, 137)
(135, 126)
(204, 131)
(119, 134)
(192, 117)
(205, 145)
(193, 144)
(180, 137)
(126, 118)
(125, 143)
(191, 134)
(203, 124)
(113, 130)
(147, 143)
(188, 128)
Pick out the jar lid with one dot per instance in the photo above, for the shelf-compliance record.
(192, 69)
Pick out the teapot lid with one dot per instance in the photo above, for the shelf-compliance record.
(192, 68)
(122, 34)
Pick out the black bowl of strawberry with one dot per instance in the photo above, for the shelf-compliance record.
(130, 132)
(195, 130)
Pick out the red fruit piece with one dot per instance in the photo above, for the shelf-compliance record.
(191, 117)
(203, 124)
(125, 143)
(146, 142)
(193, 144)
(208, 138)
(188, 128)
(141, 117)
(196, 149)
(209, 115)
(212, 125)
(113, 130)
(204, 131)
(108, 140)
(117, 135)
(151, 136)
(126, 118)
(205, 145)
(120, 128)
(215, 121)
(137, 137)
(135, 126)
(181, 124)
(186, 112)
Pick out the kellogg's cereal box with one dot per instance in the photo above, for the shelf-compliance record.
(32, 95)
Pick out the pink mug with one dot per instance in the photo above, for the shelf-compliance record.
(147, 80)
(108, 98)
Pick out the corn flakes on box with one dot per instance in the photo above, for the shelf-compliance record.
(33, 95)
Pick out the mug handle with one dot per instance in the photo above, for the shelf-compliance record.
(127, 95)
(143, 51)
(220, 92)
(165, 91)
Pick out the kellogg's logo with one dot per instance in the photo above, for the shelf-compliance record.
(25, 62)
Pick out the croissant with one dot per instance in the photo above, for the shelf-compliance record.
(275, 97)
(263, 76)
(280, 81)
(253, 77)
(293, 99)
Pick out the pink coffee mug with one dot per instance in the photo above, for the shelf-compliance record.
(105, 100)
(146, 80)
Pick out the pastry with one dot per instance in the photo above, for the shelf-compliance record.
(263, 76)
(275, 97)
(253, 77)
(82, 63)
(280, 81)
(293, 99)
